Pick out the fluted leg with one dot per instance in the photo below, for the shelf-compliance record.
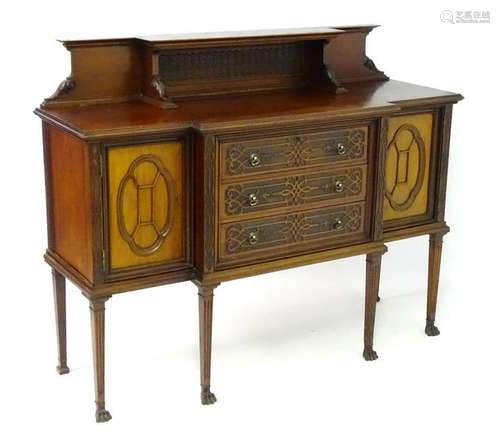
(59, 286)
(205, 296)
(435, 249)
(373, 262)
(97, 314)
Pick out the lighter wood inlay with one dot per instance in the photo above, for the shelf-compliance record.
(145, 204)
(407, 166)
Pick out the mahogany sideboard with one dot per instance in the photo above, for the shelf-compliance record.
(212, 157)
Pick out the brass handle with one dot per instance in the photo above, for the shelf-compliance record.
(254, 160)
(252, 238)
(341, 149)
(339, 186)
(338, 224)
(252, 199)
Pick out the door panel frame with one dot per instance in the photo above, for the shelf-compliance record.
(186, 140)
(429, 215)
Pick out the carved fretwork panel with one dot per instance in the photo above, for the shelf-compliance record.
(298, 151)
(231, 62)
(408, 158)
(193, 71)
(145, 197)
(290, 233)
(299, 190)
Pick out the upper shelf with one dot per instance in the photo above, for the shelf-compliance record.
(164, 70)
(214, 38)
(302, 32)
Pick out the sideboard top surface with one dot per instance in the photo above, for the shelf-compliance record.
(233, 112)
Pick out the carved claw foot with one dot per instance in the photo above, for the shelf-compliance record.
(102, 415)
(431, 330)
(207, 397)
(61, 370)
(369, 355)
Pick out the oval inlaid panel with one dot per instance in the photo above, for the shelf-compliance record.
(145, 204)
(406, 152)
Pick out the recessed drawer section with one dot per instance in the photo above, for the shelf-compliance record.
(253, 156)
(284, 235)
(297, 191)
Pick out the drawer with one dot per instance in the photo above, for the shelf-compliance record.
(297, 191)
(241, 157)
(284, 235)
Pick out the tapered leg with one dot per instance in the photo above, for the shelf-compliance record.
(205, 297)
(59, 285)
(435, 248)
(97, 314)
(373, 262)
(378, 294)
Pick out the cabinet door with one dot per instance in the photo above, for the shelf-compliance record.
(146, 209)
(408, 169)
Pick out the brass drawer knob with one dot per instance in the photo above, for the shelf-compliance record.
(252, 199)
(254, 160)
(338, 224)
(339, 186)
(253, 238)
(341, 149)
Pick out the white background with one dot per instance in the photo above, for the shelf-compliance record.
(287, 346)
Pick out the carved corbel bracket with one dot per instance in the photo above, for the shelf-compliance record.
(160, 88)
(157, 94)
(370, 65)
(64, 88)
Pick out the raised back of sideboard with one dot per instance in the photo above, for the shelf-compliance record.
(163, 70)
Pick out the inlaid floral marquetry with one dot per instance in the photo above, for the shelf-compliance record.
(298, 190)
(293, 230)
(145, 204)
(296, 151)
(407, 165)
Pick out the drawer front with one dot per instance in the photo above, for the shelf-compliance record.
(282, 235)
(408, 164)
(250, 157)
(304, 190)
